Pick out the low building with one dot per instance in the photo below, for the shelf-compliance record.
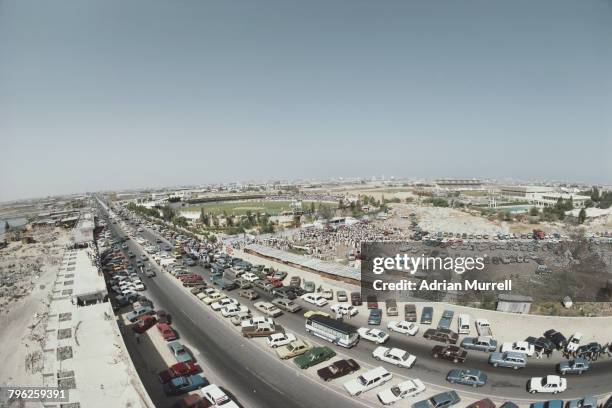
(514, 303)
(459, 184)
(84, 230)
(83, 349)
(528, 192)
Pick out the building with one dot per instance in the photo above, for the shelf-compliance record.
(84, 230)
(83, 349)
(459, 184)
(528, 192)
(514, 303)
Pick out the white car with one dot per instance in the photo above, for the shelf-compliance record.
(368, 380)
(574, 342)
(249, 277)
(233, 310)
(216, 306)
(254, 321)
(344, 310)
(280, 339)
(374, 335)
(396, 356)
(549, 384)
(518, 347)
(406, 389)
(268, 308)
(214, 297)
(315, 298)
(403, 327)
(139, 286)
(217, 398)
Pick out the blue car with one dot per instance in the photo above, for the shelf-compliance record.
(181, 385)
(576, 366)
(442, 400)
(475, 378)
(375, 317)
(547, 404)
(587, 402)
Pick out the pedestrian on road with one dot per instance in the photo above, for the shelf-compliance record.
(137, 336)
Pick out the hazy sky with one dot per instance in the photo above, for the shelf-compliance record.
(117, 94)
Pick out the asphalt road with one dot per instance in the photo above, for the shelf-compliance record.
(263, 379)
(249, 371)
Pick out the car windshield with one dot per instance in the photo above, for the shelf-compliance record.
(333, 369)
(396, 391)
(362, 380)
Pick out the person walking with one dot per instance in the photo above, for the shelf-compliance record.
(137, 336)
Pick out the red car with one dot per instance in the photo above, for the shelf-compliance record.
(166, 331)
(190, 278)
(163, 317)
(144, 323)
(179, 370)
(275, 282)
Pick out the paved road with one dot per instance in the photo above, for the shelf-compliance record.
(503, 383)
(263, 379)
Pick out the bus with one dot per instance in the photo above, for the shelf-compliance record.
(332, 330)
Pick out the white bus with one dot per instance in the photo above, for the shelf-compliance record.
(332, 330)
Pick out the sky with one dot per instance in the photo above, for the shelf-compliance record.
(102, 95)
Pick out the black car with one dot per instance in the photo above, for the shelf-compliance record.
(589, 348)
(338, 369)
(541, 344)
(441, 335)
(556, 337)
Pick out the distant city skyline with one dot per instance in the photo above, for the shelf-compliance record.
(112, 95)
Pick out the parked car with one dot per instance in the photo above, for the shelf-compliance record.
(293, 349)
(396, 356)
(479, 343)
(474, 378)
(519, 347)
(427, 315)
(450, 353)
(344, 309)
(286, 305)
(144, 323)
(315, 298)
(508, 359)
(405, 389)
(341, 296)
(372, 302)
(441, 335)
(410, 313)
(182, 385)
(574, 342)
(280, 339)
(314, 356)
(217, 398)
(576, 366)
(374, 335)
(178, 351)
(483, 403)
(238, 318)
(556, 337)
(403, 327)
(178, 370)
(549, 384)
(139, 311)
(442, 400)
(268, 309)
(338, 369)
(248, 294)
(167, 331)
(588, 401)
(367, 381)
(375, 317)
(356, 299)
(261, 330)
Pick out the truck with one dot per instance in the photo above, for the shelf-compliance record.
(483, 327)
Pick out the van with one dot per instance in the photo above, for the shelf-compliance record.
(463, 324)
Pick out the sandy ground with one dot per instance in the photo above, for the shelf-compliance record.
(23, 326)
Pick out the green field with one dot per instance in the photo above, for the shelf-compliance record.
(241, 207)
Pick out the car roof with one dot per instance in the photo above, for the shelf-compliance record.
(397, 352)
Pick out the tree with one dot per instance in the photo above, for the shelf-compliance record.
(595, 194)
(312, 207)
(7, 226)
(582, 216)
(167, 213)
(533, 211)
